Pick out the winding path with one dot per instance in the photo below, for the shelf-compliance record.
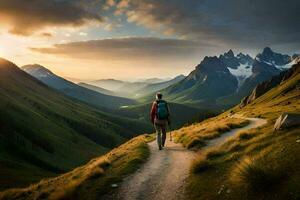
(163, 176)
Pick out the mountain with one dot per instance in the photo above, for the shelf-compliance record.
(97, 89)
(154, 87)
(240, 66)
(44, 133)
(255, 163)
(152, 80)
(108, 84)
(210, 79)
(75, 91)
(272, 58)
(275, 81)
(223, 81)
(135, 89)
(120, 88)
(258, 163)
(266, 65)
(230, 60)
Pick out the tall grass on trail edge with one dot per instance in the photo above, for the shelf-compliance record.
(255, 164)
(91, 180)
(194, 136)
(257, 174)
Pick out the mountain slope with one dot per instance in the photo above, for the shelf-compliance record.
(96, 89)
(121, 88)
(254, 164)
(42, 132)
(75, 91)
(108, 84)
(211, 79)
(135, 89)
(264, 87)
(154, 87)
(221, 82)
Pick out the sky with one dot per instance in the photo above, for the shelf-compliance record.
(135, 39)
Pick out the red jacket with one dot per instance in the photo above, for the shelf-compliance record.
(153, 112)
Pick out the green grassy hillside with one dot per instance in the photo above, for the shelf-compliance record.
(91, 180)
(255, 164)
(44, 133)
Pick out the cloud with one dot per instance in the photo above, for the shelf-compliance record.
(27, 17)
(83, 34)
(131, 48)
(234, 22)
(46, 34)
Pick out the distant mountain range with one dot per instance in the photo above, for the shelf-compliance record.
(135, 89)
(226, 79)
(97, 89)
(108, 101)
(154, 87)
(100, 99)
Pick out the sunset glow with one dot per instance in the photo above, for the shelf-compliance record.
(126, 39)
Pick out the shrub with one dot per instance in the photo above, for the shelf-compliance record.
(200, 164)
(258, 174)
(104, 164)
(197, 142)
(95, 173)
(245, 136)
(214, 153)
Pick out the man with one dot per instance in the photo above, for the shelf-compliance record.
(160, 117)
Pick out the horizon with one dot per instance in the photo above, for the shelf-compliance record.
(130, 40)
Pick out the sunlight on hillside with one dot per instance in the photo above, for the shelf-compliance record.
(103, 171)
(255, 162)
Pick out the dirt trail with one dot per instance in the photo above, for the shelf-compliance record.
(163, 176)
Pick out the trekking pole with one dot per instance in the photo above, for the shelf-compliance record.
(170, 133)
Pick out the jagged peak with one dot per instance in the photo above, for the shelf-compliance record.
(209, 59)
(229, 53)
(267, 50)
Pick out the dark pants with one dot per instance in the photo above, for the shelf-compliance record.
(161, 134)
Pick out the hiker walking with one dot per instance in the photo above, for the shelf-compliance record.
(160, 118)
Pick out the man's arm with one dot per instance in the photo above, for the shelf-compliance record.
(153, 112)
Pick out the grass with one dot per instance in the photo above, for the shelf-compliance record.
(257, 174)
(255, 164)
(201, 164)
(194, 136)
(91, 180)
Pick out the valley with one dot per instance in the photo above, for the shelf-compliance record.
(149, 100)
(51, 127)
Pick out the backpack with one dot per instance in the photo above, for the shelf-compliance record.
(162, 111)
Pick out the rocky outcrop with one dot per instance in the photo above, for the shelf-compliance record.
(245, 59)
(230, 60)
(287, 120)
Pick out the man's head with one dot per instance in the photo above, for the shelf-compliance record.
(159, 96)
